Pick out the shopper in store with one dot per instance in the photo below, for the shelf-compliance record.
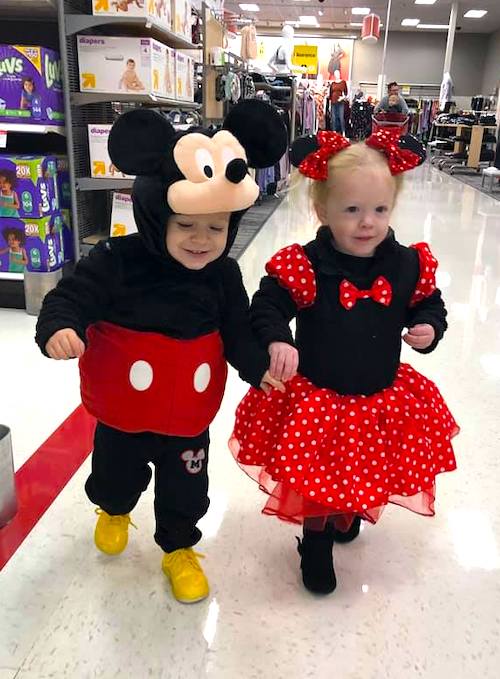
(386, 106)
(153, 318)
(356, 429)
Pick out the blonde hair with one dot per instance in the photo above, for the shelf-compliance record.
(356, 156)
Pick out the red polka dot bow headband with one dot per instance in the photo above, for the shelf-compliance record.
(311, 154)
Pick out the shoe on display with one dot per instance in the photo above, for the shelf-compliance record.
(189, 582)
(315, 549)
(111, 532)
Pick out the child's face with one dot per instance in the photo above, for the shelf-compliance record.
(358, 209)
(13, 242)
(29, 87)
(130, 65)
(393, 100)
(7, 185)
(197, 240)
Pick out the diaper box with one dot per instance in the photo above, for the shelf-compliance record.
(181, 18)
(63, 182)
(122, 215)
(30, 85)
(32, 244)
(155, 11)
(184, 77)
(121, 65)
(28, 186)
(170, 89)
(101, 166)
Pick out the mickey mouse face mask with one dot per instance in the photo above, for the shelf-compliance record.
(202, 171)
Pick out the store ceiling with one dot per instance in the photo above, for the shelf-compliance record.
(337, 13)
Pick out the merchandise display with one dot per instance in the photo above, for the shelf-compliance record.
(117, 65)
(181, 18)
(63, 182)
(184, 77)
(28, 186)
(156, 11)
(101, 166)
(122, 215)
(30, 85)
(32, 244)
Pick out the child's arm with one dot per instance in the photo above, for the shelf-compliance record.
(241, 347)
(25, 258)
(79, 299)
(16, 204)
(427, 323)
(271, 311)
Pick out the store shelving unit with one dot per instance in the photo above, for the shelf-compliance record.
(92, 198)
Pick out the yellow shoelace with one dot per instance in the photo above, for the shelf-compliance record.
(116, 520)
(185, 557)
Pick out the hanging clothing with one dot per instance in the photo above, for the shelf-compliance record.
(338, 89)
(248, 43)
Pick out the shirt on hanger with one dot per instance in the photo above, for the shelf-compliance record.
(248, 43)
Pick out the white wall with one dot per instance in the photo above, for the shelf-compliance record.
(419, 57)
(491, 77)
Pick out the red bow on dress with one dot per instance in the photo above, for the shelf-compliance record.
(400, 160)
(315, 165)
(380, 292)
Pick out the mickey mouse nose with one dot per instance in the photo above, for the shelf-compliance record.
(236, 171)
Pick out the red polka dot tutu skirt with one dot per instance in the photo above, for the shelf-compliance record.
(316, 452)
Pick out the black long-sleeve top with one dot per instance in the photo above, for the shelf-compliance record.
(122, 283)
(354, 351)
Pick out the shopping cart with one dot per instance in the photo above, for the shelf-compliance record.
(400, 121)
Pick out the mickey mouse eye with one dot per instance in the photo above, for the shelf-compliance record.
(205, 162)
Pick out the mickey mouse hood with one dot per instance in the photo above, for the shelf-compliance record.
(195, 172)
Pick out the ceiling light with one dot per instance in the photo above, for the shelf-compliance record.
(250, 8)
(425, 2)
(443, 27)
(410, 22)
(308, 20)
(360, 10)
(475, 14)
(354, 23)
(320, 13)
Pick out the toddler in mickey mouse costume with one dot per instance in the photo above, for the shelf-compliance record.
(355, 429)
(153, 317)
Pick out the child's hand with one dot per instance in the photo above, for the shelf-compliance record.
(65, 344)
(284, 361)
(268, 383)
(420, 336)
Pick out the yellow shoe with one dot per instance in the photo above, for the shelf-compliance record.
(111, 532)
(189, 583)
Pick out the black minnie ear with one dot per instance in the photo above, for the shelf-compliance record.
(260, 130)
(302, 147)
(411, 143)
(139, 140)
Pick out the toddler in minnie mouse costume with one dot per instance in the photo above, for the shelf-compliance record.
(154, 316)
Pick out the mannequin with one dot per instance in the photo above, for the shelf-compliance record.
(281, 61)
(338, 94)
(446, 92)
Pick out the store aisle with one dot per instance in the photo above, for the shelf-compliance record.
(416, 598)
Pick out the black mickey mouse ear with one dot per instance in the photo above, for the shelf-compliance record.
(260, 130)
(411, 143)
(139, 140)
(302, 147)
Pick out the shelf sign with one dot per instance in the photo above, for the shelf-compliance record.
(405, 89)
(307, 56)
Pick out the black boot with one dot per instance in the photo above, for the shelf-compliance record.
(349, 535)
(315, 548)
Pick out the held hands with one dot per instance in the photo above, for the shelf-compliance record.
(269, 383)
(284, 361)
(420, 336)
(65, 344)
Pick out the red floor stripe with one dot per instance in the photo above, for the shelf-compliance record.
(41, 478)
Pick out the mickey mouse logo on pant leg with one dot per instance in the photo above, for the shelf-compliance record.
(194, 461)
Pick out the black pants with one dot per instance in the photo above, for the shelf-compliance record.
(120, 473)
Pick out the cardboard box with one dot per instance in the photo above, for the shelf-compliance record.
(184, 77)
(170, 89)
(68, 241)
(181, 18)
(28, 186)
(121, 65)
(101, 166)
(63, 182)
(156, 11)
(30, 85)
(39, 241)
(122, 215)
